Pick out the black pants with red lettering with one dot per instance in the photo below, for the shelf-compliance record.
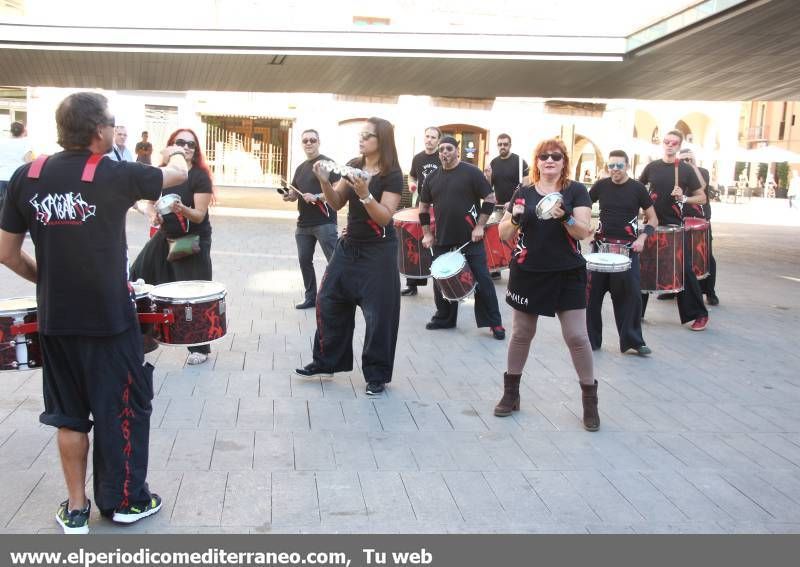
(105, 378)
(487, 310)
(690, 300)
(363, 276)
(626, 296)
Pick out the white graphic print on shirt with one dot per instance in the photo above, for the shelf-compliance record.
(69, 208)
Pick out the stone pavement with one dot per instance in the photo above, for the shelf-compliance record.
(701, 437)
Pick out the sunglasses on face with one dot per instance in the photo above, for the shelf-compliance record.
(672, 142)
(187, 143)
(556, 156)
(686, 160)
(447, 149)
(310, 140)
(503, 144)
(616, 166)
(367, 135)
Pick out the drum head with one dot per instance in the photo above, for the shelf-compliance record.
(669, 228)
(607, 262)
(447, 265)
(194, 291)
(406, 215)
(694, 223)
(17, 305)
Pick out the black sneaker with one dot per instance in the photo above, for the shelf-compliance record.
(375, 388)
(73, 521)
(312, 369)
(495, 275)
(136, 512)
(712, 300)
(499, 332)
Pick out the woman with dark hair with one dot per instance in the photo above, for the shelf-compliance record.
(548, 273)
(363, 270)
(196, 194)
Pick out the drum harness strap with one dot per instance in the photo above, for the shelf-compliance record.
(35, 171)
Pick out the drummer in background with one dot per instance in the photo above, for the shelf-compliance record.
(455, 191)
(93, 366)
(423, 164)
(504, 174)
(548, 274)
(707, 284)
(620, 199)
(316, 221)
(669, 200)
(363, 271)
(196, 193)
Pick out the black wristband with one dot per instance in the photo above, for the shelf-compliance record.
(487, 208)
(649, 230)
(425, 219)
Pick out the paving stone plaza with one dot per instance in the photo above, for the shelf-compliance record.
(701, 437)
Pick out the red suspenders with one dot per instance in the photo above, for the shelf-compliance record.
(89, 169)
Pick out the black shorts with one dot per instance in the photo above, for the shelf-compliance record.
(97, 376)
(546, 293)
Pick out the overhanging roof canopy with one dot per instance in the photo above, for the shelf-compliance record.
(747, 51)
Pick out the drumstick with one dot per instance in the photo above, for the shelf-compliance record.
(677, 164)
(462, 246)
(290, 186)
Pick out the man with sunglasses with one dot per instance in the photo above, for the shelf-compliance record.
(620, 199)
(504, 174)
(669, 199)
(422, 165)
(456, 191)
(707, 284)
(316, 221)
(94, 373)
(118, 150)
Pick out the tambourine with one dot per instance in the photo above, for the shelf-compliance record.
(164, 204)
(343, 170)
(544, 209)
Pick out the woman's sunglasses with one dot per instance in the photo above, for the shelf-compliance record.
(188, 143)
(556, 156)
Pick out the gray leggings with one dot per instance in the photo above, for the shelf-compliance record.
(573, 329)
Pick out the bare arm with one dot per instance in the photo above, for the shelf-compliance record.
(12, 256)
(197, 213)
(698, 196)
(583, 223)
(379, 211)
(507, 228)
(650, 219)
(176, 171)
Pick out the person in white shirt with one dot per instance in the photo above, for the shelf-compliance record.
(14, 152)
(118, 150)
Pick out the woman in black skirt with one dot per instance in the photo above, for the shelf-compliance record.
(548, 273)
(196, 193)
(363, 270)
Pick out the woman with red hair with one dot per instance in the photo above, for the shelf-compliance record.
(548, 273)
(196, 194)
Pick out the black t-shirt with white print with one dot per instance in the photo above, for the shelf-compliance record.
(422, 166)
(619, 207)
(456, 195)
(661, 177)
(78, 230)
(312, 214)
(361, 229)
(505, 176)
(545, 245)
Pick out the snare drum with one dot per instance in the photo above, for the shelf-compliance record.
(614, 248)
(198, 310)
(607, 262)
(697, 232)
(413, 259)
(661, 261)
(19, 334)
(454, 276)
(498, 252)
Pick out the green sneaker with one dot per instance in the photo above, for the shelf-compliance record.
(73, 521)
(136, 512)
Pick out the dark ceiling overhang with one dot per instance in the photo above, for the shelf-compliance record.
(750, 52)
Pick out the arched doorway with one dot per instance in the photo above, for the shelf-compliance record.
(472, 142)
(588, 160)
